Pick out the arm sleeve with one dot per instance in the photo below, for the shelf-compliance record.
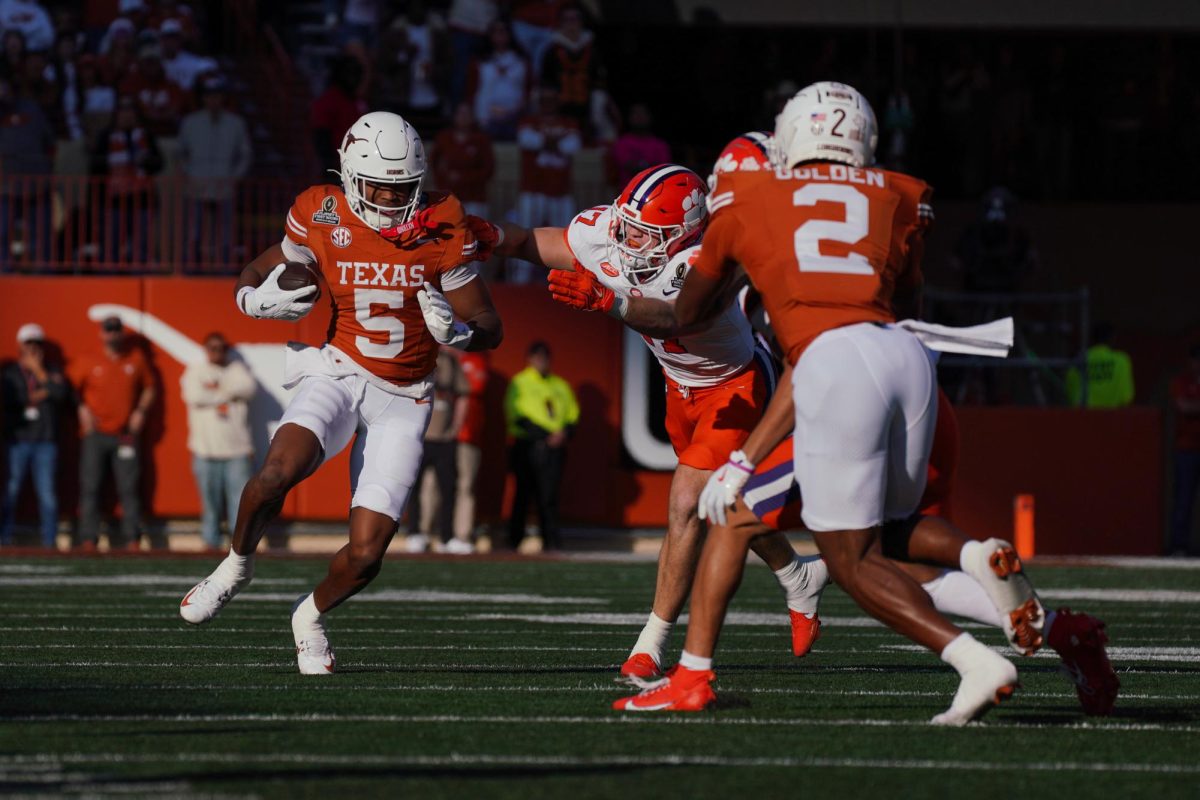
(456, 268)
(295, 226)
(194, 394)
(570, 404)
(237, 382)
(717, 255)
(297, 252)
(524, 410)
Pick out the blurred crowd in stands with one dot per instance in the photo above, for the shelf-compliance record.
(531, 109)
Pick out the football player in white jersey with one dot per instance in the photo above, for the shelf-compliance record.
(718, 381)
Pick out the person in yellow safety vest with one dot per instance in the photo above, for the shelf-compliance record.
(541, 412)
(1109, 374)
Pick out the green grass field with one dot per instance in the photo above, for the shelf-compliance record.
(494, 679)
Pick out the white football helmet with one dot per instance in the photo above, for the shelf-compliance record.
(381, 148)
(825, 121)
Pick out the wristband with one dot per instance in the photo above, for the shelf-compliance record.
(241, 299)
(738, 459)
(620, 306)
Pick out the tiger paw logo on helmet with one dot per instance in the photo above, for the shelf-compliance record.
(693, 200)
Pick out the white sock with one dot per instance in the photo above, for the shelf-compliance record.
(235, 569)
(959, 594)
(795, 581)
(653, 637)
(968, 548)
(965, 653)
(306, 619)
(689, 661)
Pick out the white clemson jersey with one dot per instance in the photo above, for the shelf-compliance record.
(699, 360)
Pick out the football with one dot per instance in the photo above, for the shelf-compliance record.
(297, 276)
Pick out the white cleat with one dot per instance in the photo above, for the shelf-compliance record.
(314, 656)
(205, 599)
(998, 569)
(979, 691)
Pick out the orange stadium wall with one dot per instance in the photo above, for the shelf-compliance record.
(1097, 476)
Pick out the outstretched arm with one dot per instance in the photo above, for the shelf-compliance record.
(546, 247)
(646, 315)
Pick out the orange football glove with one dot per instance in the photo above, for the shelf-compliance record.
(581, 289)
(487, 235)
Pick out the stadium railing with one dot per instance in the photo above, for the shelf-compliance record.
(106, 225)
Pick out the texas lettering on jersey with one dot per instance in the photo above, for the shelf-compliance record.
(373, 281)
(702, 359)
(826, 245)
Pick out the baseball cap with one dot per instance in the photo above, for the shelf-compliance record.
(30, 332)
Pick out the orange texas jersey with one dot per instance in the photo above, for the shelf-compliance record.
(826, 245)
(374, 282)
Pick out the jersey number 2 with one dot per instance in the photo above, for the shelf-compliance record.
(809, 236)
(366, 303)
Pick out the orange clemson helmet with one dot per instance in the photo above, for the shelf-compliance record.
(659, 213)
(748, 152)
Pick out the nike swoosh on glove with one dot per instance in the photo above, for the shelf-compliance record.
(488, 236)
(439, 318)
(580, 289)
(724, 486)
(268, 301)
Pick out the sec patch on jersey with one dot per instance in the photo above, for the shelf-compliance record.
(298, 276)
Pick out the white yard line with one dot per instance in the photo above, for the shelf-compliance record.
(600, 688)
(552, 761)
(615, 719)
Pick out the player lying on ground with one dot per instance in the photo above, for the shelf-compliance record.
(718, 382)
(833, 246)
(769, 500)
(397, 265)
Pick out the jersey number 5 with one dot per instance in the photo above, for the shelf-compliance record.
(809, 236)
(367, 311)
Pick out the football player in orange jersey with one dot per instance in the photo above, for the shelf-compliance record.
(639, 248)
(833, 246)
(770, 501)
(397, 265)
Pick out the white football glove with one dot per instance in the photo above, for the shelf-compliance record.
(439, 318)
(268, 301)
(724, 486)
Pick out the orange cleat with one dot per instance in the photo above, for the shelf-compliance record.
(805, 631)
(640, 668)
(684, 690)
(1079, 640)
